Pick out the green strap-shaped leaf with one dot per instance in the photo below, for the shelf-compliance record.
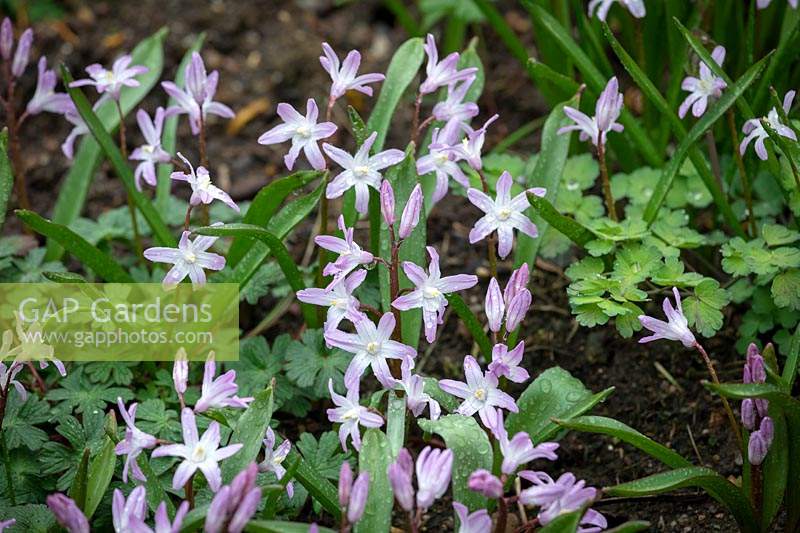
(742, 391)
(547, 173)
(658, 101)
(6, 176)
(278, 526)
(564, 523)
(169, 135)
(614, 428)
(77, 490)
(775, 470)
(375, 457)
(792, 360)
(571, 228)
(723, 490)
(565, 86)
(402, 70)
(320, 488)
(594, 80)
(731, 95)
(121, 167)
(265, 204)
(793, 480)
(155, 491)
(396, 422)
(471, 451)
(249, 431)
(101, 470)
(471, 322)
(278, 250)
(99, 262)
(784, 55)
(72, 194)
(554, 394)
(632, 526)
(280, 225)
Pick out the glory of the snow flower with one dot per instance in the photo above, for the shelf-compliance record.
(607, 110)
(79, 128)
(476, 522)
(503, 214)
(556, 497)
(219, 392)
(111, 82)
(188, 259)
(442, 73)
(350, 414)
(162, 521)
(45, 98)
(203, 191)
(353, 493)
(7, 378)
(753, 409)
(339, 300)
(433, 471)
(128, 514)
(480, 393)
(372, 346)
(274, 457)
(703, 88)
(415, 395)
(676, 328)
(198, 453)
(67, 513)
(350, 253)
(519, 450)
(506, 362)
(150, 153)
(233, 505)
(485, 483)
(22, 54)
(470, 148)
(454, 108)
(763, 4)
(601, 7)
(303, 131)
(429, 292)
(345, 75)
(754, 129)
(410, 216)
(134, 443)
(441, 160)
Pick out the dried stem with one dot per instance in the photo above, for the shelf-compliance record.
(601, 156)
(13, 143)
(731, 418)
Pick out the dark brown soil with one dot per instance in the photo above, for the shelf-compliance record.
(269, 49)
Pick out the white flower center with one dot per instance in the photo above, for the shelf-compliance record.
(441, 158)
(361, 171)
(480, 394)
(352, 414)
(199, 454)
(189, 256)
(503, 213)
(373, 347)
(203, 181)
(148, 148)
(107, 76)
(303, 131)
(431, 292)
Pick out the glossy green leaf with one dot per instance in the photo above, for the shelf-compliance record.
(568, 226)
(155, 491)
(792, 360)
(64, 277)
(278, 250)
(731, 95)
(78, 488)
(88, 155)
(741, 391)
(471, 451)
(99, 262)
(554, 394)
(547, 173)
(375, 457)
(396, 422)
(658, 101)
(471, 322)
(169, 135)
(6, 176)
(632, 526)
(101, 470)
(775, 469)
(726, 492)
(278, 526)
(320, 488)
(249, 431)
(401, 72)
(538, 70)
(564, 523)
(103, 138)
(614, 428)
(265, 204)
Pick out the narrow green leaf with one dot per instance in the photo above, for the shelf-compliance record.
(279, 526)
(375, 458)
(614, 428)
(658, 101)
(784, 55)
(725, 492)
(78, 489)
(64, 277)
(471, 321)
(99, 262)
(121, 167)
(320, 488)
(728, 98)
(155, 491)
(471, 451)
(547, 173)
(776, 469)
(564, 523)
(554, 394)
(265, 204)
(6, 176)
(169, 134)
(742, 391)
(396, 422)
(538, 70)
(360, 130)
(793, 481)
(498, 23)
(571, 228)
(278, 250)
(792, 360)
(101, 471)
(73, 191)
(632, 526)
(249, 431)
(402, 70)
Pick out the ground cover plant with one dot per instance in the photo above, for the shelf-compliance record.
(405, 360)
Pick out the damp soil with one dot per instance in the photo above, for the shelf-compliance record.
(267, 52)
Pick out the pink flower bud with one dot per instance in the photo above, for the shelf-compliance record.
(358, 498)
(22, 54)
(387, 202)
(345, 483)
(748, 414)
(754, 370)
(484, 482)
(516, 283)
(495, 308)
(517, 309)
(760, 442)
(6, 38)
(400, 473)
(180, 372)
(410, 217)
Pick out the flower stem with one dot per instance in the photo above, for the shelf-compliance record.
(491, 240)
(4, 450)
(13, 143)
(415, 123)
(731, 418)
(123, 148)
(502, 515)
(748, 193)
(189, 490)
(756, 488)
(601, 156)
(186, 219)
(394, 292)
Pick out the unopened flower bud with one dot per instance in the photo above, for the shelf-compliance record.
(517, 309)
(400, 473)
(748, 414)
(495, 308)
(22, 54)
(345, 483)
(358, 498)
(486, 483)
(760, 442)
(754, 370)
(516, 283)
(387, 202)
(410, 216)
(180, 372)
(6, 38)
